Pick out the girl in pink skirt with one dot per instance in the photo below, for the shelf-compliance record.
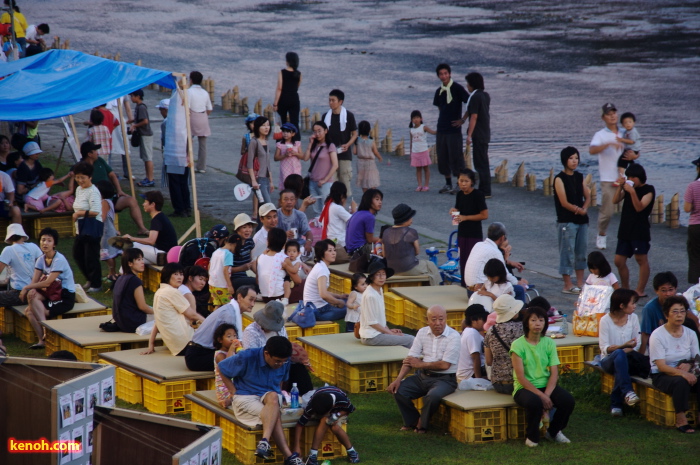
(288, 153)
(420, 155)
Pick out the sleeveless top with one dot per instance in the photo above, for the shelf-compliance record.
(364, 149)
(573, 187)
(222, 392)
(290, 83)
(420, 140)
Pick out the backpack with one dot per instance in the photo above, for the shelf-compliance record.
(195, 249)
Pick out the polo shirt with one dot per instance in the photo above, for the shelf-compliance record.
(229, 313)
(442, 348)
(251, 375)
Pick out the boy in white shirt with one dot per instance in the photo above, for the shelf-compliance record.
(471, 353)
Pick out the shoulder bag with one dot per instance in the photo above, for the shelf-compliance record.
(136, 133)
(243, 175)
(305, 190)
(304, 315)
(53, 292)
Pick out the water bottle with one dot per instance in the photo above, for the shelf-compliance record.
(333, 418)
(258, 193)
(564, 325)
(326, 462)
(295, 396)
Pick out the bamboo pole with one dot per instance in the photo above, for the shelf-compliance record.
(75, 132)
(122, 124)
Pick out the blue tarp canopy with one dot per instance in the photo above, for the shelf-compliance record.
(65, 82)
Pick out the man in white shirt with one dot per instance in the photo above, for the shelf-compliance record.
(606, 145)
(8, 207)
(495, 246)
(200, 109)
(438, 344)
(268, 217)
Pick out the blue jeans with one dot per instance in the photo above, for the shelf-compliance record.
(265, 189)
(616, 364)
(330, 313)
(573, 240)
(319, 191)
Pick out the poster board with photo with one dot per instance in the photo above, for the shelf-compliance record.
(593, 299)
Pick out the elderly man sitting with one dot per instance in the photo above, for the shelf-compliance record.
(438, 344)
(495, 246)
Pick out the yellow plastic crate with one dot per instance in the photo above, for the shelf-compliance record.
(607, 382)
(571, 358)
(441, 419)
(129, 386)
(394, 306)
(53, 342)
(364, 378)
(88, 353)
(330, 447)
(590, 351)
(454, 320)
(7, 321)
(104, 362)
(319, 329)
(203, 415)
(228, 430)
(168, 397)
(516, 422)
(478, 426)
(63, 224)
(339, 284)
(247, 441)
(247, 319)
(151, 279)
(414, 316)
(389, 286)
(294, 332)
(659, 408)
(208, 384)
(642, 392)
(106, 311)
(24, 330)
(325, 365)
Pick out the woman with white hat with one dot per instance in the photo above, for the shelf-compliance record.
(20, 256)
(498, 339)
(242, 260)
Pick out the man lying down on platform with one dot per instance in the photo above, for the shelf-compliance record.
(257, 375)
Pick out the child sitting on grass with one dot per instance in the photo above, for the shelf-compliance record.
(226, 344)
(330, 406)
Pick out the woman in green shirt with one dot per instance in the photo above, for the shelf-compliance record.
(535, 373)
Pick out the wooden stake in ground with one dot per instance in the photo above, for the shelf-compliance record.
(674, 212)
(258, 107)
(531, 184)
(519, 177)
(244, 106)
(657, 211)
(501, 172)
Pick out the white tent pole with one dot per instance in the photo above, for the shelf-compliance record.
(122, 124)
(190, 158)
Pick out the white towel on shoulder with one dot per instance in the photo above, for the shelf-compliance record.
(343, 118)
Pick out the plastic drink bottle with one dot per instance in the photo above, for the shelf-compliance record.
(295, 396)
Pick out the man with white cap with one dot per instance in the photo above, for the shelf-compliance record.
(20, 256)
(268, 217)
(27, 174)
(8, 208)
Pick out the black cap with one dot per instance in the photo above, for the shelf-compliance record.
(87, 147)
(218, 231)
(696, 162)
(608, 107)
(138, 93)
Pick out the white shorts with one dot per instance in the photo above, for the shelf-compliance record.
(248, 408)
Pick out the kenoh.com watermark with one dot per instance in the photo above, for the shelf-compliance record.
(42, 445)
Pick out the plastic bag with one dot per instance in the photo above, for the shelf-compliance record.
(475, 384)
(146, 329)
(692, 295)
(484, 300)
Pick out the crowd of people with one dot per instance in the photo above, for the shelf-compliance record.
(279, 257)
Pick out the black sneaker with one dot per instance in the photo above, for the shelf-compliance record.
(293, 459)
(446, 188)
(264, 450)
(353, 457)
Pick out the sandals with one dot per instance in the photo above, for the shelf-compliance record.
(407, 428)
(573, 290)
(420, 431)
(686, 429)
(37, 346)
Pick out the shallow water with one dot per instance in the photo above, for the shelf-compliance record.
(548, 66)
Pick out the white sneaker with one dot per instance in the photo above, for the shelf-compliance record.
(631, 398)
(601, 242)
(560, 438)
(284, 301)
(616, 412)
(529, 443)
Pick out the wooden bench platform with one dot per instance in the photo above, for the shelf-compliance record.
(83, 337)
(160, 380)
(13, 320)
(342, 360)
(242, 440)
(294, 332)
(340, 280)
(417, 300)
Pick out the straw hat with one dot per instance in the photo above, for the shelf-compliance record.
(506, 307)
(241, 220)
(120, 242)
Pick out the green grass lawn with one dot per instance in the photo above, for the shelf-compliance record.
(374, 427)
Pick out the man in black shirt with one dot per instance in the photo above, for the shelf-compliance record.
(342, 131)
(162, 236)
(479, 129)
(449, 98)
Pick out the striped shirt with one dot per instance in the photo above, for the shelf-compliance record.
(242, 256)
(692, 195)
(444, 347)
(342, 403)
(88, 199)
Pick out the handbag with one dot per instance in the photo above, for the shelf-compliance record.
(135, 138)
(359, 262)
(53, 292)
(304, 315)
(306, 190)
(243, 175)
(90, 226)
(109, 326)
